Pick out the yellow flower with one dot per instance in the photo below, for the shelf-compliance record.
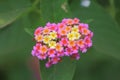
(77, 35)
(52, 44)
(53, 35)
(71, 36)
(38, 38)
(75, 29)
(46, 39)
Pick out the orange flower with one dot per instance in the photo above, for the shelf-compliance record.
(68, 28)
(43, 49)
(69, 22)
(59, 47)
(63, 32)
(80, 43)
(85, 31)
(71, 43)
(46, 31)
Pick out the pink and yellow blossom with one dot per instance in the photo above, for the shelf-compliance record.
(53, 35)
(59, 47)
(62, 32)
(39, 38)
(66, 38)
(46, 30)
(43, 49)
(71, 43)
(52, 44)
(81, 43)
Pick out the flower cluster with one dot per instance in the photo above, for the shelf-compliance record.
(66, 38)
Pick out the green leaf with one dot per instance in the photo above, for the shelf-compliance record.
(61, 71)
(16, 46)
(14, 40)
(112, 7)
(102, 61)
(10, 10)
(117, 8)
(20, 71)
(96, 66)
(15, 49)
(15, 43)
(106, 31)
(34, 18)
(55, 11)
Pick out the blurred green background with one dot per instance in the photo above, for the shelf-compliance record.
(18, 19)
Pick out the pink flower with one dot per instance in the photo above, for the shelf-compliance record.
(60, 25)
(38, 31)
(80, 28)
(48, 64)
(35, 53)
(37, 46)
(55, 60)
(52, 27)
(90, 35)
(75, 49)
(64, 41)
(42, 56)
(84, 25)
(64, 21)
(60, 54)
(81, 43)
(62, 32)
(75, 56)
(51, 53)
(76, 20)
(48, 24)
(88, 41)
(68, 51)
(85, 31)
(69, 22)
(84, 50)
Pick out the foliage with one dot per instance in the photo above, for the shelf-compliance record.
(17, 17)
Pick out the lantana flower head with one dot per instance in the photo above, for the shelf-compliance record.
(68, 38)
